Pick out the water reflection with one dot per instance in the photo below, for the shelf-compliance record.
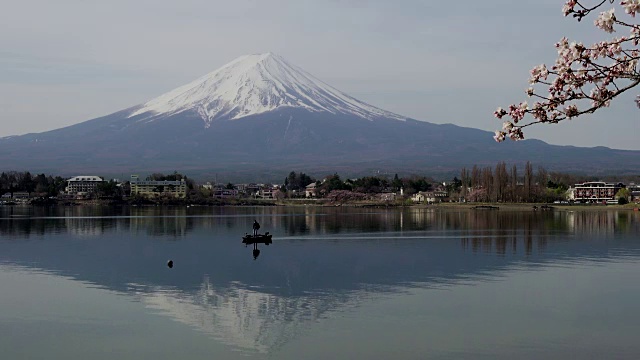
(327, 261)
(178, 222)
(242, 317)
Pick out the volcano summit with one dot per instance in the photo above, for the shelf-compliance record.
(259, 117)
(256, 84)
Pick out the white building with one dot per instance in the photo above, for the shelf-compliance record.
(150, 188)
(310, 190)
(80, 185)
(596, 191)
(424, 197)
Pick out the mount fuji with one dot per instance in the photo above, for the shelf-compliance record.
(259, 117)
(257, 84)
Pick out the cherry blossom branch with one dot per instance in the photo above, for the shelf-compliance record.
(578, 73)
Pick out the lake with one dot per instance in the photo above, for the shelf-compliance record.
(343, 283)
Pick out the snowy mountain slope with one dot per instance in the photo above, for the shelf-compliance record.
(255, 84)
(290, 121)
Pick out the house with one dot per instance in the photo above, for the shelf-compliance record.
(388, 196)
(430, 197)
(15, 195)
(20, 195)
(267, 192)
(634, 189)
(418, 197)
(82, 185)
(249, 189)
(427, 197)
(596, 191)
(223, 193)
(151, 188)
(310, 190)
(440, 195)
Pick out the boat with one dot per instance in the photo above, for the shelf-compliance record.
(257, 239)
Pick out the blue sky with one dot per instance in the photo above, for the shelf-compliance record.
(67, 61)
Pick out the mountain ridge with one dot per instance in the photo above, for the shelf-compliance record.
(203, 128)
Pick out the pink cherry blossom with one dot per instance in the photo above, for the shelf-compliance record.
(606, 20)
(584, 78)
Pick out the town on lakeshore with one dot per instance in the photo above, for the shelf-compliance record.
(476, 185)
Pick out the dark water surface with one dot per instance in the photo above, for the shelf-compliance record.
(342, 283)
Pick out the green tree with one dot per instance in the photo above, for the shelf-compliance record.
(297, 181)
(623, 196)
(369, 184)
(333, 182)
(108, 188)
(396, 183)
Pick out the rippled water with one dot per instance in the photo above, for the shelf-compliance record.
(84, 282)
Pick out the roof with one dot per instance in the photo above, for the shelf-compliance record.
(86, 178)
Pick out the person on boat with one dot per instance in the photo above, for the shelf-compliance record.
(256, 227)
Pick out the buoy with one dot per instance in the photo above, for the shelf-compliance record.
(170, 264)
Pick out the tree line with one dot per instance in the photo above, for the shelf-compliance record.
(16, 181)
(499, 183)
(295, 184)
(504, 183)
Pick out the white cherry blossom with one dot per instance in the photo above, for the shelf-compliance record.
(584, 78)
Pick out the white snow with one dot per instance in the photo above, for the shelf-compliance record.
(245, 318)
(255, 84)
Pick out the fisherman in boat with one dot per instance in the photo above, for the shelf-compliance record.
(256, 227)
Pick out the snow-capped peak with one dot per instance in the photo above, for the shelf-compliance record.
(254, 84)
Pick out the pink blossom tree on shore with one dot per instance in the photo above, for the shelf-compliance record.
(583, 78)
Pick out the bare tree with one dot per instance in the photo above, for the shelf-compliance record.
(465, 179)
(487, 182)
(501, 180)
(513, 184)
(475, 177)
(528, 179)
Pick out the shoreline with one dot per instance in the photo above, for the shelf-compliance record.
(325, 203)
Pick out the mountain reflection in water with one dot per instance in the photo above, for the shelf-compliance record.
(323, 261)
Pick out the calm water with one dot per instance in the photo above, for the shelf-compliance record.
(92, 283)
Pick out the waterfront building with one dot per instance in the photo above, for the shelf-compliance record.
(21, 195)
(223, 193)
(152, 188)
(596, 191)
(310, 190)
(634, 189)
(267, 192)
(81, 185)
(15, 195)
